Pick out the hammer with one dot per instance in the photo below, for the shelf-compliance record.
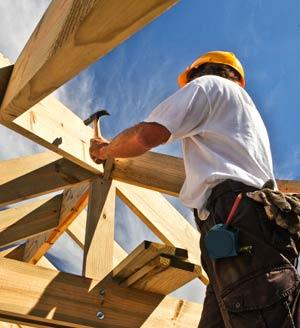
(95, 118)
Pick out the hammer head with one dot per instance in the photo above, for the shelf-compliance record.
(96, 116)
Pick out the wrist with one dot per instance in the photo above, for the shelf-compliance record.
(102, 152)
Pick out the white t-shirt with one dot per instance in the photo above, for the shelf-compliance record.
(222, 134)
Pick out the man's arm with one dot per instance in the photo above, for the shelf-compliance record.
(131, 142)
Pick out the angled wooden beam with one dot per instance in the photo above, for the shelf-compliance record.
(99, 236)
(73, 201)
(81, 31)
(37, 175)
(52, 125)
(31, 295)
(77, 232)
(29, 220)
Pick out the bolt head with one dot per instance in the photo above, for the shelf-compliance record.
(102, 292)
(100, 315)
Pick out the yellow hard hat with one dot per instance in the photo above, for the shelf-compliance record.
(218, 57)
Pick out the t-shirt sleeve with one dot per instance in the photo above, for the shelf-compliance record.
(182, 113)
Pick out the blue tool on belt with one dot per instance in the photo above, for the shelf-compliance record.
(222, 240)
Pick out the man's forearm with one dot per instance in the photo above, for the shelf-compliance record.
(131, 142)
(127, 144)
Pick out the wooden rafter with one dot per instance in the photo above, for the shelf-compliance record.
(36, 175)
(31, 219)
(73, 201)
(33, 295)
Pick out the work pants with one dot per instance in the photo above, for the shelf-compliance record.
(256, 289)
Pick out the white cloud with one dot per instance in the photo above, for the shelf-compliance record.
(18, 19)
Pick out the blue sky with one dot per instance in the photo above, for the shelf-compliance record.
(132, 79)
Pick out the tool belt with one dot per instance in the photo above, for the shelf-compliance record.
(255, 280)
(282, 208)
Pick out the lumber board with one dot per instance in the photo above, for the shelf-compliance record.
(52, 125)
(74, 200)
(38, 175)
(79, 30)
(289, 186)
(141, 255)
(165, 173)
(17, 167)
(34, 295)
(99, 236)
(163, 275)
(77, 232)
(160, 172)
(29, 220)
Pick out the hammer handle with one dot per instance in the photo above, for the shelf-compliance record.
(95, 126)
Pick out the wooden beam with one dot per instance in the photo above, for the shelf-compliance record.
(52, 125)
(156, 268)
(36, 296)
(74, 200)
(163, 275)
(81, 31)
(142, 254)
(29, 220)
(43, 174)
(77, 232)
(289, 186)
(166, 173)
(154, 171)
(99, 237)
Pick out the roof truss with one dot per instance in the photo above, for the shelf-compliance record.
(84, 31)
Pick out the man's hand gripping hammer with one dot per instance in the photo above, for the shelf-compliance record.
(95, 118)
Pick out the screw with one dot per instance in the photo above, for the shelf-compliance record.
(100, 315)
(102, 292)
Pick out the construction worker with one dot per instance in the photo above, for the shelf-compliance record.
(250, 260)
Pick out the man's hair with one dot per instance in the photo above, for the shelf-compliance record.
(222, 70)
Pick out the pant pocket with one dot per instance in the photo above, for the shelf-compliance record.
(250, 300)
